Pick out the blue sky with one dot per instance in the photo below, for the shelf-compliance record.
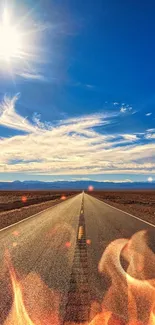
(77, 90)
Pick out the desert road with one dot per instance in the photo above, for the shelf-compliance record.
(55, 254)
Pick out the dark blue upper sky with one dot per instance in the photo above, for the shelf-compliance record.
(108, 45)
(86, 60)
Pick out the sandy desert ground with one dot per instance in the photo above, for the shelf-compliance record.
(18, 205)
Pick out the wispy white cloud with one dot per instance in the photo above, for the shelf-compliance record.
(151, 130)
(73, 146)
(32, 76)
(118, 181)
(150, 134)
(130, 137)
(10, 118)
(102, 181)
(81, 179)
(90, 86)
(125, 109)
(148, 114)
(83, 85)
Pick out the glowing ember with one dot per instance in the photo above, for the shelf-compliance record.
(90, 188)
(24, 199)
(88, 241)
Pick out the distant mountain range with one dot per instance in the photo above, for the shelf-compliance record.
(74, 185)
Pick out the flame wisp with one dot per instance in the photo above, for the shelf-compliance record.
(18, 314)
(130, 299)
(33, 302)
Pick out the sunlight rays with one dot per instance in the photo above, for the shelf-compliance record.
(20, 52)
(10, 38)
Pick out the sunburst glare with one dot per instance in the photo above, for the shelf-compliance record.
(20, 48)
(10, 38)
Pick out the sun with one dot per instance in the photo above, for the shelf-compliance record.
(21, 52)
(10, 39)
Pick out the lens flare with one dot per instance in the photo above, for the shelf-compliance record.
(16, 233)
(90, 188)
(24, 199)
(68, 244)
(63, 197)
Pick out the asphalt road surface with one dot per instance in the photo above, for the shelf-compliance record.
(56, 254)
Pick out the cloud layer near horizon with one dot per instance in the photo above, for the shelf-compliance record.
(73, 146)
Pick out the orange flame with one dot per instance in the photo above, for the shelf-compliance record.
(18, 314)
(101, 319)
(130, 299)
(152, 319)
(131, 296)
(25, 310)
